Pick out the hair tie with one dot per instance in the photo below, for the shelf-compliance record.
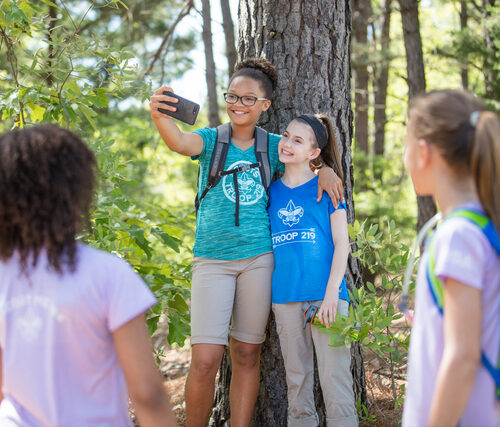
(317, 127)
(474, 118)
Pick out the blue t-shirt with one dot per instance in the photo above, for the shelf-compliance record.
(302, 243)
(217, 236)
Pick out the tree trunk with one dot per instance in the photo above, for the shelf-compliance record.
(227, 24)
(416, 82)
(361, 13)
(308, 42)
(213, 108)
(380, 115)
(464, 69)
(49, 79)
(490, 67)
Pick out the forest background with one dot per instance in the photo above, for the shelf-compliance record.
(92, 65)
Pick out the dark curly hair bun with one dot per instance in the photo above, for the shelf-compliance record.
(47, 177)
(259, 69)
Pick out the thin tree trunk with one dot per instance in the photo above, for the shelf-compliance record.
(490, 69)
(213, 108)
(227, 24)
(309, 44)
(416, 83)
(464, 69)
(380, 114)
(361, 13)
(49, 79)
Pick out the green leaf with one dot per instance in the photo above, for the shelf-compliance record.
(137, 234)
(37, 113)
(152, 323)
(178, 330)
(370, 286)
(178, 304)
(170, 241)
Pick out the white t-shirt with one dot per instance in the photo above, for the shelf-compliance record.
(59, 363)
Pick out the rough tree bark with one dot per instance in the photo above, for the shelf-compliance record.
(416, 82)
(361, 14)
(227, 25)
(213, 108)
(309, 44)
(382, 78)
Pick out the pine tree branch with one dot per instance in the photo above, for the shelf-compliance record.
(184, 12)
(12, 59)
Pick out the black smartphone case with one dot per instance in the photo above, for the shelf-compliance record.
(187, 110)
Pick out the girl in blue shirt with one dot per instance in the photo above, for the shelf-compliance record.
(311, 246)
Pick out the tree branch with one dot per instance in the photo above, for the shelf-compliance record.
(11, 57)
(184, 12)
(59, 93)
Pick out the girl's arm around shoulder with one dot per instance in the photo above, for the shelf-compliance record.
(144, 383)
(461, 355)
(340, 237)
(330, 182)
(186, 143)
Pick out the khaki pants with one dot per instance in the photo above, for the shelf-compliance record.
(333, 366)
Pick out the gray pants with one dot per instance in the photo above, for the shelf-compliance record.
(333, 367)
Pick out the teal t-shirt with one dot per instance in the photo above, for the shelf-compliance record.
(217, 236)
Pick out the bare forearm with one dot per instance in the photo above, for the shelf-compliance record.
(461, 355)
(339, 265)
(454, 383)
(170, 133)
(155, 412)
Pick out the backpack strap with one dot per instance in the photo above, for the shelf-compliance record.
(262, 156)
(218, 161)
(436, 285)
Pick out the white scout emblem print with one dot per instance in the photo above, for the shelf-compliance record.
(291, 214)
(249, 185)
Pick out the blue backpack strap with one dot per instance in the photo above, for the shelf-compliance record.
(494, 372)
(436, 285)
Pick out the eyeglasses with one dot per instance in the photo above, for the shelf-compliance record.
(246, 100)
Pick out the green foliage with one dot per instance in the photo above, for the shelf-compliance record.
(477, 48)
(56, 70)
(374, 320)
(382, 188)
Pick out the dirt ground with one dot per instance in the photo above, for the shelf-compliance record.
(174, 367)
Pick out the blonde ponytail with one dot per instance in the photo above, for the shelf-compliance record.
(485, 164)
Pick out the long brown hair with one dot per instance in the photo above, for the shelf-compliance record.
(468, 138)
(46, 190)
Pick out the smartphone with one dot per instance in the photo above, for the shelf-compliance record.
(187, 110)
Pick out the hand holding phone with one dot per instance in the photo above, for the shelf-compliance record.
(186, 110)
